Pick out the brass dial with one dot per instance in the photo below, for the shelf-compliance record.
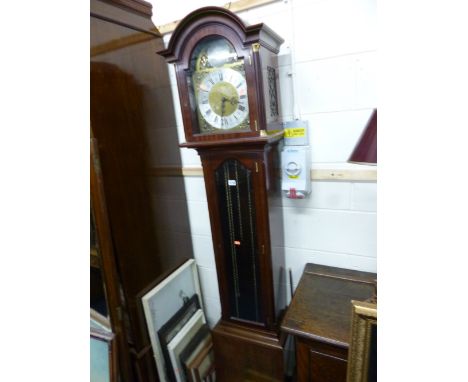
(219, 87)
(222, 98)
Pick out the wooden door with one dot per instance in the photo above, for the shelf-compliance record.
(132, 117)
(103, 241)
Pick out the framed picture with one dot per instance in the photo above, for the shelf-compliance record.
(362, 356)
(171, 328)
(103, 352)
(201, 368)
(180, 342)
(162, 302)
(196, 345)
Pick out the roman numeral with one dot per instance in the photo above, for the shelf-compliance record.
(241, 107)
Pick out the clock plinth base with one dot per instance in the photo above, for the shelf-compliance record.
(246, 354)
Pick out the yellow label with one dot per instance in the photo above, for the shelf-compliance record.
(293, 176)
(295, 132)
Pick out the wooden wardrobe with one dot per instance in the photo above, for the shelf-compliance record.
(131, 109)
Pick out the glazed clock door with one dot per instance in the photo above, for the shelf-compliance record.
(236, 184)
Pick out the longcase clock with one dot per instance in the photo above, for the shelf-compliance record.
(226, 76)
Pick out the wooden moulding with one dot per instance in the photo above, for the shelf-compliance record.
(230, 142)
(347, 175)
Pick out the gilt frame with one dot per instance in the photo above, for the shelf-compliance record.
(364, 317)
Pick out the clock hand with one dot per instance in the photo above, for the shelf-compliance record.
(223, 100)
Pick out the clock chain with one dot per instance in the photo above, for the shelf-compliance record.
(252, 242)
(231, 236)
(238, 201)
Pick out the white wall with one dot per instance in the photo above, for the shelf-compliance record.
(330, 46)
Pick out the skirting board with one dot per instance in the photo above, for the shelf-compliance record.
(367, 175)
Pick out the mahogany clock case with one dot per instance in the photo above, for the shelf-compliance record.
(242, 192)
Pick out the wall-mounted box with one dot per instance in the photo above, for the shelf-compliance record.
(295, 171)
(296, 133)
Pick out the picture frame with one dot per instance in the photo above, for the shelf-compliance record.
(196, 345)
(171, 328)
(103, 350)
(362, 356)
(202, 368)
(175, 324)
(162, 302)
(181, 340)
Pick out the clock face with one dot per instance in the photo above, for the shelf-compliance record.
(218, 88)
(222, 98)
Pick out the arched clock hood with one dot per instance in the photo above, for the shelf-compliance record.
(211, 17)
